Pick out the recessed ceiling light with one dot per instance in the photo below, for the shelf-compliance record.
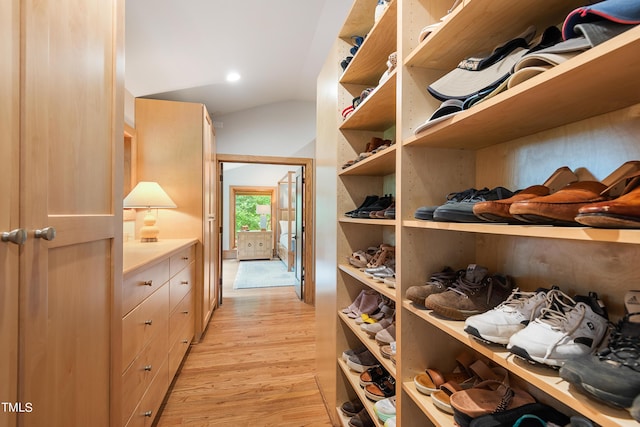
(233, 77)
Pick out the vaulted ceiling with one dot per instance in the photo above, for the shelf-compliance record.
(183, 49)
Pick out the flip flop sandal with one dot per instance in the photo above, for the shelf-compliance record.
(382, 389)
(487, 397)
(373, 375)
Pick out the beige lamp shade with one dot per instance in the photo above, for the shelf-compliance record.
(148, 195)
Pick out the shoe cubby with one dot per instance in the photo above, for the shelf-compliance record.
(582, 113)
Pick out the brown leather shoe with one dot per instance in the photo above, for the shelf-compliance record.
(623, 212)
(561, 207)
(498, 210)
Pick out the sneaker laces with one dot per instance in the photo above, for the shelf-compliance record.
(464, 287)
(623, 349)
(443, 278)
(559, 307)
(461, 195)
(516, 300)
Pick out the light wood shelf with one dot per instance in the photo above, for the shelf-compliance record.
(426, 405)
(583, 112)
(528, 107)
(541, 377)
(381, 288)
(378, 111)
(354, 380)
(369, 342)
(500, 22)
(369, 63)
(386, 222)
(380, 163)
(539, 231)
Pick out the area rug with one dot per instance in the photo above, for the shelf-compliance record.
(263, 274)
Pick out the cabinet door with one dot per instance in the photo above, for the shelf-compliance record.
(71, 129)
(210, 248)
(9, 145)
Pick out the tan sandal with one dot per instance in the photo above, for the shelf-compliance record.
(431, 379)
(487, 397)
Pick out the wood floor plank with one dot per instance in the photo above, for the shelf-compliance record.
(255, 366)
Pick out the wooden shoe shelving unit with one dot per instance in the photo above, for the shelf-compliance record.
(583, 113)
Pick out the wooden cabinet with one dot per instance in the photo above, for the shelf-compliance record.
(255, 245)
(516, 139)
(157, 323)
(176, 148)
(61, 114)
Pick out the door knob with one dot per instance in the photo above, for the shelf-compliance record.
(47, 233)
(17, 236)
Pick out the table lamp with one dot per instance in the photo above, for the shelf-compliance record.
(263, 210)
(148, 195)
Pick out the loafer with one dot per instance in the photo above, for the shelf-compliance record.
(561, 207)
(623, 212)
(498, 210)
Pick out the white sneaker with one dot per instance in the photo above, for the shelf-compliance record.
(385, 408)
(391, 422)
(498, 324)
(567, 329)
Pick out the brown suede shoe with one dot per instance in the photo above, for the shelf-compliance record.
(623, 212)
(473, 293)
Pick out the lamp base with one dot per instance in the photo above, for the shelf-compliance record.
(148, 239)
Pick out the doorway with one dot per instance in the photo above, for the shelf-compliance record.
(299, 224)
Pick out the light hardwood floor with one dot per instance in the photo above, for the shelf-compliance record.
(255, 365)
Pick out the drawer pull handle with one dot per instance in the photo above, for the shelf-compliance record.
(148, 414)
(185, 282)
(148, 322)
(185, 341)
(185, 258)
(148, 283)
(147, 368)
(185, 312)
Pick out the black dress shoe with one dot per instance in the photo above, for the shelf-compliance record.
(369, 200)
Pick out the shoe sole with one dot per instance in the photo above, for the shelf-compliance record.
(523, 354)
(486, 339)
(608, 221)
(451, 313)
(612, 399)
(542, 220)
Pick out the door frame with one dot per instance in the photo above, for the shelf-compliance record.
(308, 208)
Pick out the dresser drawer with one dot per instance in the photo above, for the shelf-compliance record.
(180, 346)
(147, 410)
(180, 316)
(137, 379)
(180, 285)
(140, 284)
(143, 323)
(182, 259)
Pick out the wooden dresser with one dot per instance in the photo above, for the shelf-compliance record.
(157, 322)
(255, 245)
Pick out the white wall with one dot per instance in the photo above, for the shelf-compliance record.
(284, 129)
